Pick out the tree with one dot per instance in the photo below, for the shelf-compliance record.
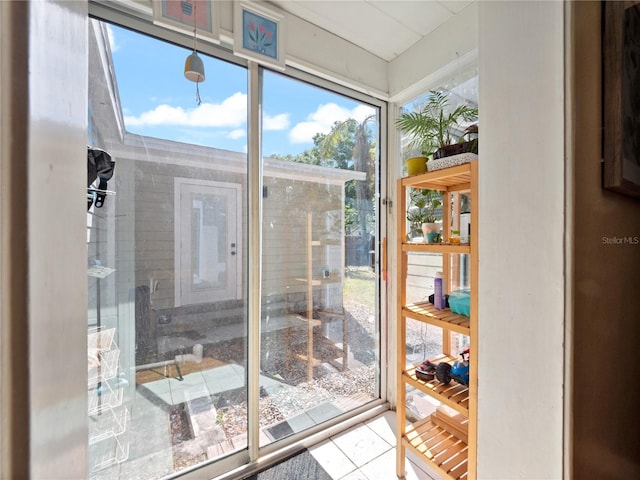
(350, 146)
(336, 148)
(310, 157)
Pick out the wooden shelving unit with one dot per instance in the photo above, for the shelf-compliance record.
(312, 282)
(445, 440)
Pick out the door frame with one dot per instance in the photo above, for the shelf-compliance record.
(179, 224)
(255, 457)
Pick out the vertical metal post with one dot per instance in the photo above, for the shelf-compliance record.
(254, 215)
(309, 296)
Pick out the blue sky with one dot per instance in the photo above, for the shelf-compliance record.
(158, 101)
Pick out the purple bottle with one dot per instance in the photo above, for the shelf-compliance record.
(438, 299)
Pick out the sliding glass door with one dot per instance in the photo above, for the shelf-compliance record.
(171, 313)
(167, 314)
(320, 331)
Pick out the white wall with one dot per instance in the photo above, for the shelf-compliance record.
(521, 289)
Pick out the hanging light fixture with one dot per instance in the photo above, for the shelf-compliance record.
(193, 66)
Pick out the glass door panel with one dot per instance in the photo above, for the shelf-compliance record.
(320, 328)
(167, 315)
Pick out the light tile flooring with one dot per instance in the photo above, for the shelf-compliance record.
(367, 452)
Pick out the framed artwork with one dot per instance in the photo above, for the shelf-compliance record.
(259, 34)
(180, 15)
(621, 57)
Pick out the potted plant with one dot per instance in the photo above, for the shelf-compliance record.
(423, 213)
(468, 142)
(434, 127)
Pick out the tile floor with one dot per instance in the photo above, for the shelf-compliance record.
(367, 452)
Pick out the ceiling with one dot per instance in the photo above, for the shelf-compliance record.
(385, 28)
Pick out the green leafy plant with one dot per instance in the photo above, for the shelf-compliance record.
(424, 207)
(435, 125)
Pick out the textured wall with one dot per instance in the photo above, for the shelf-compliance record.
(606, 304)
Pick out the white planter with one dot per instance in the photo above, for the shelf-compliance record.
(451, 161)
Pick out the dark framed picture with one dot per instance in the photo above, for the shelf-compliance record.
(182, 15)
(259, 34)
(621, 57)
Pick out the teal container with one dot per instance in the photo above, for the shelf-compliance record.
(460, 302)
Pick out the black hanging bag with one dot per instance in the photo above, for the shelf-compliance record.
(99, 165)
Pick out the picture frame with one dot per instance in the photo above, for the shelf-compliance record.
(259, 34)
(621, 106)
(178, 15)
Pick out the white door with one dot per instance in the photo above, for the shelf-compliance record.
(207, 239)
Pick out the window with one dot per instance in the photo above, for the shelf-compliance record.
(319, 279)
(167, 309)
(168, 313)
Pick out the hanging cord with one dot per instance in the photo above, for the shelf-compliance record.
(195, 40)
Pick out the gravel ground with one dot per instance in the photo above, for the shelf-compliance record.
(328, 384)
(296, 394)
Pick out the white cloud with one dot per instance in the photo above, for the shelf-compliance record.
(112, 40)
(237, 133)
(303, 132)
(323, 119)
(277, 122)
(232, 112)
(362, 111)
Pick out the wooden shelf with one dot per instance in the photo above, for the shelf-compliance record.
(316, 282)
(325, 351)
(325, 242)
(312, 282)
(446, 440)
(443, 451)
(427, 313)
(437, 247)
(453, 395)
(452, 179)
(314, 361)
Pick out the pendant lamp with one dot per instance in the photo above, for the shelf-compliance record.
(193, 66)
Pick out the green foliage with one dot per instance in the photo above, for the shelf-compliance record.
(336, 148)
(348, 146)
(434, 126)
(310, 157)
(350, 216)
(424, 207)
